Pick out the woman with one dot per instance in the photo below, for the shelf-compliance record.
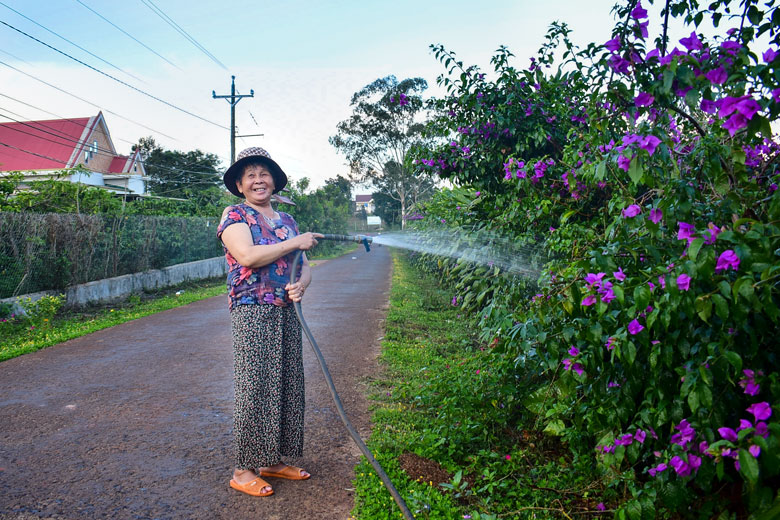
(260, 244)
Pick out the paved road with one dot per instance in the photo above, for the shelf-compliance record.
(135, 421)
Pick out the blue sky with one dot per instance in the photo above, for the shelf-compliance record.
(304, 59)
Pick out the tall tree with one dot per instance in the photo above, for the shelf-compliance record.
(178, 174)
(386, 122)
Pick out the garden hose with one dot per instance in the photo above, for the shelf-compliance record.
(355, 436)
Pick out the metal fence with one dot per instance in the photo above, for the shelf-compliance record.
(55, 250)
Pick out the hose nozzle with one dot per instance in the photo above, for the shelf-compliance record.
(360, 239)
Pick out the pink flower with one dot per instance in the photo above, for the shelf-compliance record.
(755, 450)
(632, 211)
(508, 457)
(640, 436)
(624, 163)
(594, 279)
(711, 233)
(649, 143)
(662, 282)
(744, 424)
(643, 99)
(685, 231)
(658, 469)
(728, 434)
(683, 282)
(610, 344)
(761, 411)
(717, 76)
(728, 259)
(589, 300)
(656, 215)
(619, 274)
(574, 351)
(612, 45)
(601, 506)
(635, 327)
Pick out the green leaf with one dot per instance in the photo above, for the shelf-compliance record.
(748, 466)
(703, 308)
(629, 352)
(734, 359)
(601, 170)
(636, 170)
(641, 297)
(693, 401)
(721, 306)
(555, 427)
(619, 296)
(693, 250)
(705, 395)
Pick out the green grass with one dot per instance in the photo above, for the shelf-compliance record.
(442, 398)
(22, 336)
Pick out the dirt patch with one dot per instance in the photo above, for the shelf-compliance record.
(424, 470)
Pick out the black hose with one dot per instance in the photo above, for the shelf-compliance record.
(355, 436)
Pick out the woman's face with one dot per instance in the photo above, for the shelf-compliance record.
(256, 184)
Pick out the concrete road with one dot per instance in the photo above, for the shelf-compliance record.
(135, 421)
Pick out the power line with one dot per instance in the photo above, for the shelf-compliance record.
(114, 78)
(167, 19)
(17, 58)
(70, 42)
(49, 113)
(128, 34)
(87, 102)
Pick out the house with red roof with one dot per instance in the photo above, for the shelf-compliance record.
(42, 149)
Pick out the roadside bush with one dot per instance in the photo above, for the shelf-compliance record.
(648, 177)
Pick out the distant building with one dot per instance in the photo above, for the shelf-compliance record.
(365, 202)
(41, 149)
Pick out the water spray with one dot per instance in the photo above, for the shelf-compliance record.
(365, 240)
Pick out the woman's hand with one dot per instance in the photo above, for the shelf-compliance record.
(295, 291)
(307, 241)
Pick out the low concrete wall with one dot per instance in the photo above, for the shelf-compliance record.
(112, 289)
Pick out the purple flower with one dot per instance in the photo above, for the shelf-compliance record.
(762, 429)
(643, 100)
(711, 233)
(632, 211)
(727, 259)
(638, 12)
(574, 351)
(613, 384)
(735, 123)
(744, 424)
(717, 76)
(607, 295)
(686, 435)
(612, 45)
(755, 450)
(748, 383)
(655, 216)
(619, 274)
(692, 43)
(662, 281)
(658, 469)
(635, 327)
(649, 143)
(683, 282)
(624, 440)
(730, 47)
(624, 163)
(640, 436)
(454, 300)
(619, 64)
(594, 279)
(685, 231)
(728, 434)
(589, 300)
(769, 55)
(610, 344)
(703, 447)
(708, 106)
(761, 411)
(694, 462)
(601, 506)
(680, 466)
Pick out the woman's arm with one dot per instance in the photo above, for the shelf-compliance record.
(238, 241)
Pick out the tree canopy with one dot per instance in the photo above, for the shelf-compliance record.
(386, 123)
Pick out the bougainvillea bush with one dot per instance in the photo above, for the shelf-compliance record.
(646, 170)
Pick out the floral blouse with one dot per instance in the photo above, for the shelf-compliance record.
(262, 285)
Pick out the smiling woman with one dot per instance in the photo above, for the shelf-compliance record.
(259, 245)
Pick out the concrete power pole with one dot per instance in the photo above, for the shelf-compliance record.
(233, 100)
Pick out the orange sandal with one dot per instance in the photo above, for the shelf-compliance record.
(254, 488)
(289, 473)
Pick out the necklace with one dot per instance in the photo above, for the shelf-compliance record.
(268, 220)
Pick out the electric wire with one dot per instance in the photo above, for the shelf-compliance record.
(113, 77)
(70, 42)
(128, 35)
(49, 113)
(167, 19)
(87, 102)
(17, 58)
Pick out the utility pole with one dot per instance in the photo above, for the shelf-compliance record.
(233, 100)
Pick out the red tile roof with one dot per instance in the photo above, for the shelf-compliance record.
(41, 145)
(363, 198)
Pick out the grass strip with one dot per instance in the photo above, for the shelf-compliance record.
(448, 431)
